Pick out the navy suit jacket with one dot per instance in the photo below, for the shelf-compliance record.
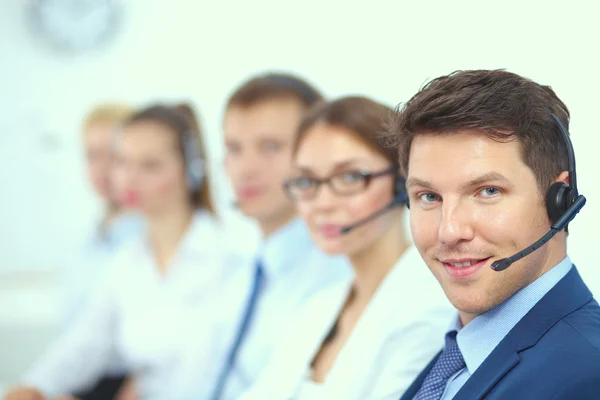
(552, 353)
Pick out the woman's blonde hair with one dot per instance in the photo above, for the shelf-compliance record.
(112, 113)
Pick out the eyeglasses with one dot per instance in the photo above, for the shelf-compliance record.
(343, 183)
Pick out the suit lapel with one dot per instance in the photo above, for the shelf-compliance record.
(416, 385)
(569, 294)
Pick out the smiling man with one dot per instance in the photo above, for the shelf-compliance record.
(482, 152)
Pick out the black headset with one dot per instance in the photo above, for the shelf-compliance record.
(563, 202)
(560, 195)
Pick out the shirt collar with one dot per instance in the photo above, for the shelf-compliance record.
(195, 240)
(481, 336)
(122, 228)
(284, 247)
(203, 235)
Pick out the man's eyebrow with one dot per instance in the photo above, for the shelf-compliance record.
(480, 180)
(485, 178)
(410, 182)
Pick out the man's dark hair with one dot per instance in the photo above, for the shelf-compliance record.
(271, 86)
(502, 105)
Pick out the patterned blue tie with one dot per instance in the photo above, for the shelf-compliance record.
(450, 362)
(243, 330)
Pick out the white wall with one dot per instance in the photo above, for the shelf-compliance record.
(199, 50)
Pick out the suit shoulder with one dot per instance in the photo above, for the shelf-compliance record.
(585, 323)
(585, 385)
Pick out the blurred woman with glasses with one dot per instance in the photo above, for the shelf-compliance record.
(368, 338)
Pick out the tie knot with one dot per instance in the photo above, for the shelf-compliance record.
(450, 340)
(452, 358)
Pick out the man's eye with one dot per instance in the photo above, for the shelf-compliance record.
(428, 197)
(489, 192)
(271, 146)
(232, 148)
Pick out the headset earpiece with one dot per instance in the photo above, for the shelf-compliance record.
(557, 200)
(194, 162)
(400, 194)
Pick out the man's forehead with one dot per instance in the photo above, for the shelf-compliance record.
(268, 110)
(466, 144)
(259, 135)
(462, 157)
(260, 126)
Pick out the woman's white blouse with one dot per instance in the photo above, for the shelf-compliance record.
(87, 261)
(397, 335)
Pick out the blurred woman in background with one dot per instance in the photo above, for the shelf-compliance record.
(161, 291)
(99, 132)
(109, 230)
(370, 338)
(87, 260)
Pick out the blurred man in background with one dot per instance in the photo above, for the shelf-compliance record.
(260, 123)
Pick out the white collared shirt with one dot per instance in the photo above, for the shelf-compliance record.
(147, 319)
(295, 269)
(85, 265)
(396, 336)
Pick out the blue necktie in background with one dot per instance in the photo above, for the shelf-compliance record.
(239, 339)
(450, 362)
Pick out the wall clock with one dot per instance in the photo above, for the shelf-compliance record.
(75, 26)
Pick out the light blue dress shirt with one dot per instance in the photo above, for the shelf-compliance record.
(481, 336)
(294, 270)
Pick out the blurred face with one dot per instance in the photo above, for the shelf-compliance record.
(329, 152)
(259, 142)
(474, 201)
(97, 141)
(149, 173)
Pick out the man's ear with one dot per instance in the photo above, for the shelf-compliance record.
(563, 177)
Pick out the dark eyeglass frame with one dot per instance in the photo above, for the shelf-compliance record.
(367, 177)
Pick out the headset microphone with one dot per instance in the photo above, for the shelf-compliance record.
(504, 263)
(563, 202)
(400, 197)
(393, 203)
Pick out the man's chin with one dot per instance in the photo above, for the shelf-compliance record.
(467, 301)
